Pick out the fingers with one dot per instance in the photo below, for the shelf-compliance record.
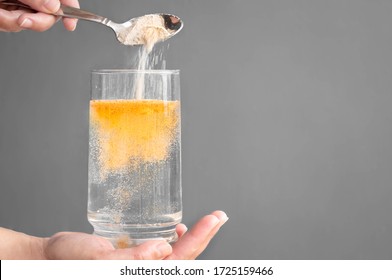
(222, 220)
(37, 22)
(17, 20)
(70, 23)
(8, 20)
(196, 240)
(181, 229)
(151, 250)
(22, 19)
(46, 6)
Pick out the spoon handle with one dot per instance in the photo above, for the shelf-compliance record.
(71, 12)
(64, 11)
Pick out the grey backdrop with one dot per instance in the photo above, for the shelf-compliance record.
(287, 123)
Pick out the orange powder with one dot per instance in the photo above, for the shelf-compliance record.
(123, 242)
(133, 131)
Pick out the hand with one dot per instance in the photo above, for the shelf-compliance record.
(191, 244)
(69, 245)
(15, 19)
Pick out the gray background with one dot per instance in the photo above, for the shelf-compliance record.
(287, 123)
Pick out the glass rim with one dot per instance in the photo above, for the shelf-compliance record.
(134, 71)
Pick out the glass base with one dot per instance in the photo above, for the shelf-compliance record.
(121, 240)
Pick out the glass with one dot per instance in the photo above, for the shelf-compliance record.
(134, 175)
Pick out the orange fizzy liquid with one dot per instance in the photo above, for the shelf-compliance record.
(130, 132)
(134, 170)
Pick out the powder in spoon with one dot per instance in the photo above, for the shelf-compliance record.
(147, 31)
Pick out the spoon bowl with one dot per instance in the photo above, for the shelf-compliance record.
(138, 31)
(131, 32)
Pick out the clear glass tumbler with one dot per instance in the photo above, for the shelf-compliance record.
(135, 155)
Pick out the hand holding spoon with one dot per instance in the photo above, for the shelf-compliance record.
(130, 32)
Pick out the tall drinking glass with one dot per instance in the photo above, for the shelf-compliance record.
(135, 155)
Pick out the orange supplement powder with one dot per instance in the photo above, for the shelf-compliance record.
(133, 131)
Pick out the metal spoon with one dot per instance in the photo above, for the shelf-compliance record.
(127, 33)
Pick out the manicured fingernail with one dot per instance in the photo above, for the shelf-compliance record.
(215, 222)
(221, 216)
(224, 217)
(74, 26)
(52, 5)
(26, 23)
(164, 248)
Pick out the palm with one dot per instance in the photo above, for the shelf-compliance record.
(72, 245)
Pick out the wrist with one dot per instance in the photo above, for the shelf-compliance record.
(37, 248)
(19, 246)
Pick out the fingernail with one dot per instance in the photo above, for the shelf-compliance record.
(221, 216)
(26, 23)
(224, 217)
(52, 5)
(74, 26)
(164, 248)
(216, 221)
